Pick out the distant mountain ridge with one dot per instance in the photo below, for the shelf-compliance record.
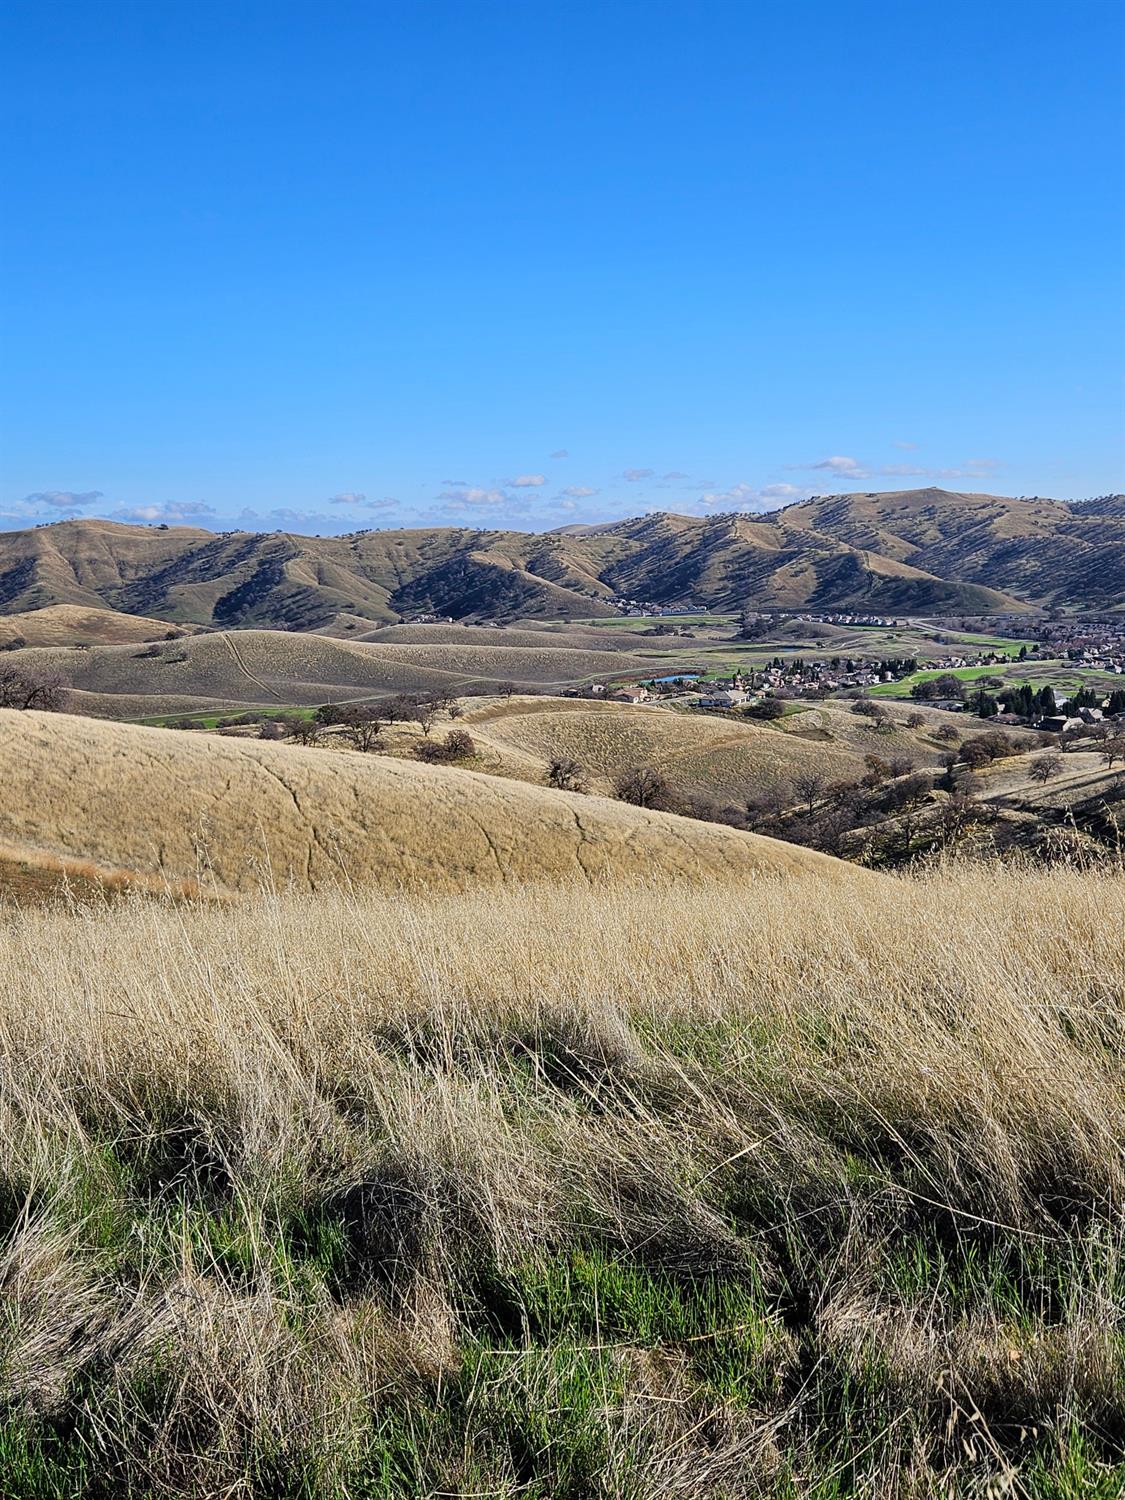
(908, 552)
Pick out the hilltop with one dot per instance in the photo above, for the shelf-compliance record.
(75, 624)
(156, 805)
(911, 552)
(717, 761)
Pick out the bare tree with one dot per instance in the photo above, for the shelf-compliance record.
(767, 804)
(566, 775)
(363, 727)
(304, 731)
(505, 689)
(643, 786)
(982, 749)
(411, 708)
(457, 745)
(809, 786)
(24, 687)
(877, 770)
(460, 744)
(1044, 767)
(424, 714)
(1113, 749)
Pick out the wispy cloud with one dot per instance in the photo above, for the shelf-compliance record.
(737, 497)
(527, 481)
(634, 476)
(747, 498)
(168, 514)
(843, 467)
(560, 453)
(578, 492)
(348, 497)
(909, 447)
(849, 468)
(675, 474)
(473, 496)
(62, 499)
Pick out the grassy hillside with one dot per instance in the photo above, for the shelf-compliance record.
(727, 561)
(912, 552)
(719, 758)
(278, 667)
(721, 1190)
(72, 624)
(232, 815)
(303, 583)
(1037, 549)
(555, 636)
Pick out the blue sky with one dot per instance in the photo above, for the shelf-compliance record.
(332, 265)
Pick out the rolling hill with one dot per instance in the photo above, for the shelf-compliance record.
(1041, 551)
(715, 759)
(272, 667)
(74, 624)
(154, 805)
(920, 552)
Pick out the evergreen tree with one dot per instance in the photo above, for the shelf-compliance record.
(986, 705)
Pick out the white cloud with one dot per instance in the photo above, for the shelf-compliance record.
(62, 499)
(747, 498)
(578, 492)
(473, 496)
(675, 474)
(634, 476)
(348, 497)
(910, 447)
(286, 518)
(851, 468)
(168, 514)
(559, 453)
(527, 481)
(737, 497)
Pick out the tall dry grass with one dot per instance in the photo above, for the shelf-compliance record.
(761, 1187)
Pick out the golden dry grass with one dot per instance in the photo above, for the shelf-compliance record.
(629, 1191)
(68, 624)
(269, 667)
(235, 814)
(717, 757)
(554, 636)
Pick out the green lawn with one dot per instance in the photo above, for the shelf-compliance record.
(1056, 674)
